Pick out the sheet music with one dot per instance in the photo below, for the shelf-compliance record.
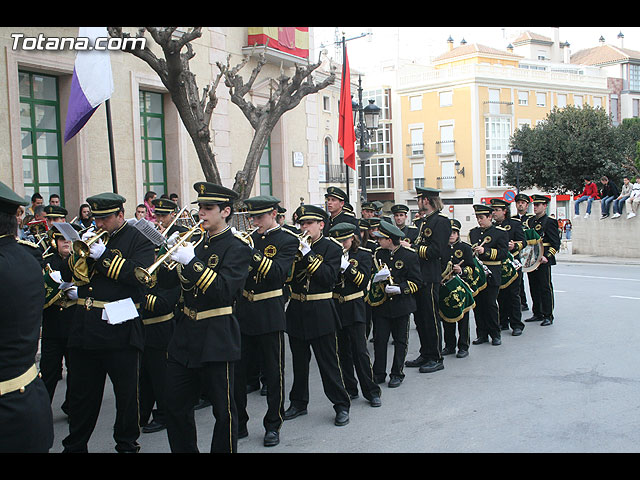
(67, 231)
(119, 311)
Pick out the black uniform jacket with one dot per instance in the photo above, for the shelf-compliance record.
(213, 279)
(513, 226)
(113, 278)
(21, 303)
(273, 256)
(56, 318)
(315, 273)
(405, 273)
(410, 233)
(547, 228)
(496, 245)
(350, 282)
(341, 217)
(462, 254)
(431, 245)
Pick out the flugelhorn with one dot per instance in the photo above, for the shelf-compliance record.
(246, 235)
(82, 247)
(144, 275)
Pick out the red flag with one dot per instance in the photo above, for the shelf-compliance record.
(346, 132)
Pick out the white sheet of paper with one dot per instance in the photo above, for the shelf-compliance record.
(119, 311)
(67, 231)
(381, 275)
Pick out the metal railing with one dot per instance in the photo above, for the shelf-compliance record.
(334, 174)
(415, 149)
(446, 147)
(412, 183)
(446, 183)
(497, 108)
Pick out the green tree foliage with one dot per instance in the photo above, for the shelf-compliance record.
(568, 145)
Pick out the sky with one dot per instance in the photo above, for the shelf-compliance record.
(423, 43)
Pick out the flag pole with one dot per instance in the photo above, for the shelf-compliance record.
(114, 181)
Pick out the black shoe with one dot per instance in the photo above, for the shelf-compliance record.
(448, 351)
(524, 308)
(271, 439)
(418, 362)
(243, 432)
(535, 318)
(342, 418)
(432, 366)
(353, 396)
(462, 353)
(379, 379)
(253, 388)
(293, 412)
(496, 341)
(202, 404)
(395, 382)
(516, 332)
(154, 426)
(504, 327)
(546, 321)
(480, 340)
(375, 401)
(263, 391)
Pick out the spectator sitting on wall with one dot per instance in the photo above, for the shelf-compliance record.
(624, 194)
(148, 198)
(567, 229)
(634, 199)
(589, 194)
(609, 194)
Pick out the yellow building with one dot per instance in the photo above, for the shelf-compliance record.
(459, 113)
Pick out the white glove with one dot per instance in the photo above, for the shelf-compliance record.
(184, 254)
(55, 275)
(171, 241)
(234, 230)
(304, 248)
(392, 289)
(97, 249)
(88, 234)
(382, 274)
(72, 293)
(344, 264)
(65, 285)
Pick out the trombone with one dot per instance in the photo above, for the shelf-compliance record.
(144, 275)
(82, 247)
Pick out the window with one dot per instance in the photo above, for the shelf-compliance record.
(446, 99)
(264, 170)
(446, 139)
(523, 98)
(381, 141)
(417, 143)
(40, 130)
(378, 173)
(562, 100)
(636, 108)
(634, 77)
(326, 103)
(614, 109)
(597, 102)
(381, 99)
(497, 132)
(154, 164)
(448, 176)
(577, 101)
(415, 103)
(541, 99)
(417, 172)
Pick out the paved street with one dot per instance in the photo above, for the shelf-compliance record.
(570, 387)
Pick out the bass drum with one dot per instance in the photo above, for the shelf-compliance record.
(455, 299)
(532, 253)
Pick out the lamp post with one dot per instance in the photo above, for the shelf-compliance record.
(516, 157)
(365, 120)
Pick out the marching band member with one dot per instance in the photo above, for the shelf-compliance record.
(490, 244)
(509, 295)
(400, 219)
(261, 314)
(26, 421)
(522, 204)
(540, 279)
(402, 280)
(349, 300)
(312, 318)
(206, 341)
(102, 342)
(336, 199)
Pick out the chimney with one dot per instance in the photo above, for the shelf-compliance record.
(567, 53)
(555, 48)
(450, 42)
(601, 40)
(510, 48)
(621, 40)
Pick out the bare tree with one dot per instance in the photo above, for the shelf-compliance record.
(196, 109)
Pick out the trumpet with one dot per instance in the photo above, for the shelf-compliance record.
(246, 235)
(305, 238)
(144, 275)
(82, 247)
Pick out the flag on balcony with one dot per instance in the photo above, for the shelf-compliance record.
(346, 132)
(91, 84)
(293, 40)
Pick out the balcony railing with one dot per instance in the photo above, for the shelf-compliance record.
(334, 174)
(446, 147)
(415, 150)
(412, 183)
(446, 183)
(497, 108)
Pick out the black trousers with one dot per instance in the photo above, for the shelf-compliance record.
(486, 313)
(523, 295)
(398, 327)
(354, 355)
(214, 381)
(325, 349)
(269, 350)
(53, 351)
(153, 376)
(464, 335)
(427, 320)
(541, 291)
(87, 376)
(510, 305)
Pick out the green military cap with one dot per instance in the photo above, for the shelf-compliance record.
(281, 210)
(388, 230)
(363, 224)
(54, 211)
(261, 204)
(105, 204)
(10, 200)
(455, 224)
(387, 218)
(347, 207)
(213, 194)
(427, 192)
(164, 206)
(523, 197)
(378, 204)
(539, 199)
(374, 222)
(337, 193)
(310, 212)
(499, 202)
(398, 208)
(482, 209)
(342, 230)
(368, 206)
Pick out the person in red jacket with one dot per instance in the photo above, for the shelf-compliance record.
(589, 194)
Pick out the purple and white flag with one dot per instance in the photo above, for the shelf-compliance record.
(92, 82)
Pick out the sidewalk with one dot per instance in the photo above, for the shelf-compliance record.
(580, 258)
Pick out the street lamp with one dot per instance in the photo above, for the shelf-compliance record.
(516, 157)
(365, 120)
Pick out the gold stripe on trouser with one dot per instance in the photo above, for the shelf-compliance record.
(281, 386)
(229, 412)
(138, 390)
(370, 364)
(335, 335)
(20, 381)
(435, 321)
(552, 296)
